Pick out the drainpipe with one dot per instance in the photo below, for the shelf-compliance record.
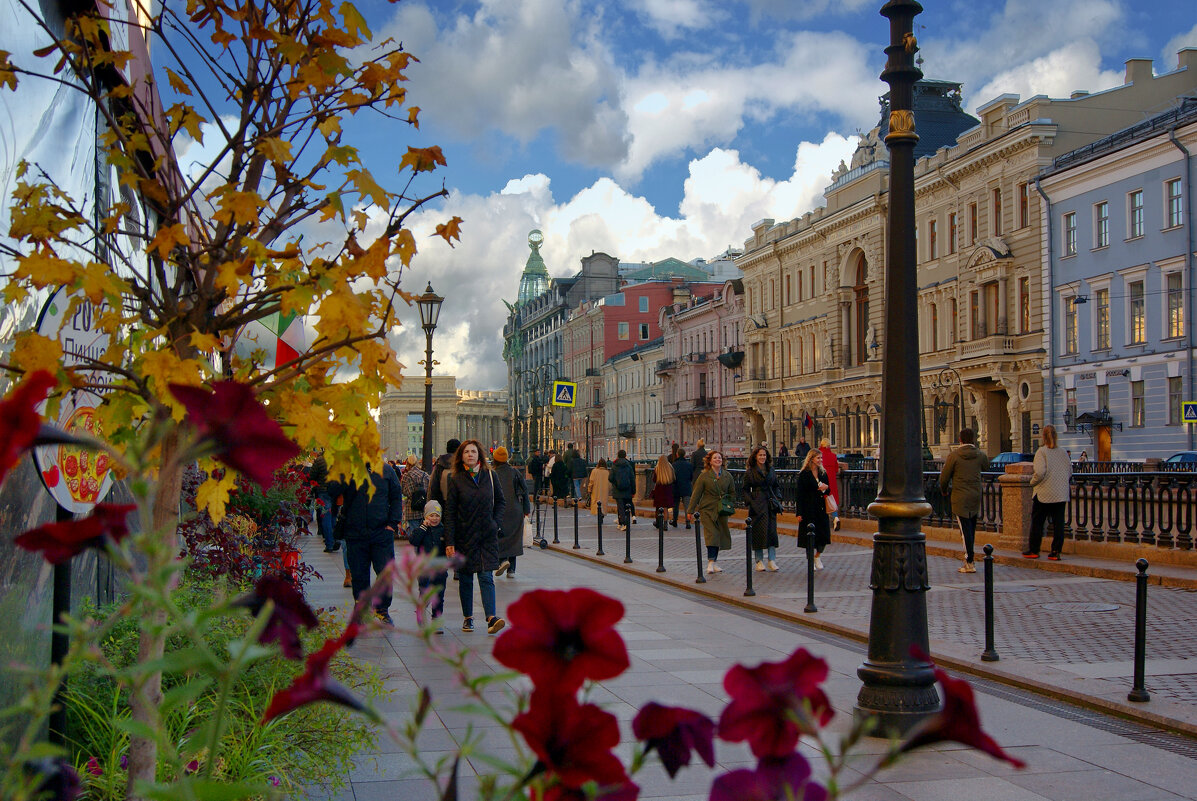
(1051, 308)
(1189, 268)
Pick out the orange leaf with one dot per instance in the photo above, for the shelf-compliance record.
(450, 230)
(413, 116)
(166, 238)
(422, 159)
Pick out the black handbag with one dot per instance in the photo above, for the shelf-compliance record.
(774, 505)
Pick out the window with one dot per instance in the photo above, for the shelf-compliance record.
(1138, 414)
(1176, 304)
(932, 240)
(1024, 305)
(1174, 202)
(1070, 402)
(997, 211)
(622, 331)
(952, 232)
(788, 300)
(1135, 315)
(1070, 336)
(1070, 234)
(974, 314)
(953, 323)
(643, 303)
(972, 223)
(1101, 324)
(1101, 224)
(934, 327)
(1134, 222)
(1103, 396)
(1175, 392)
(1024, 205)
(643, 331)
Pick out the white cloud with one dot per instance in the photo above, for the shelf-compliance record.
(1174, 46)
(671, 17)
(1057, 74)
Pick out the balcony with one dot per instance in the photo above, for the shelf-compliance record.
(986, 347)
(696, 358)
(665, 365)
(627, 429)
(593, 372)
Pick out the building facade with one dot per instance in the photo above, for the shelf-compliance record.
(632, 404)
(456, 414)
(1120, 237)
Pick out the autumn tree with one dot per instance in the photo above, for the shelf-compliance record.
(180, 259)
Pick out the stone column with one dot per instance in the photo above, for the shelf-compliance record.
(1003, 322)
(1016, 506)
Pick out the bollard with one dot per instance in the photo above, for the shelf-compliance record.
(627, 544)
(575, 519)
(1139, 692)
(748, 590)
(989, 654)
(555, 540)
(539, 522)
(599, 552)
(810, 570)
(660, 540)
(698, 550)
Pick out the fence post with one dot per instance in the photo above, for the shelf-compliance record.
(1016, 506)
(1139, 692)
(599, 552)
(698, 551)
(555, 540)
(810, 570)
(660, 540)
(575, 519)
(539, 522)
(989, 654)
(748, 590)
(627, 543)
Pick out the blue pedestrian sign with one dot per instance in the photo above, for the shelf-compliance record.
(1189, 411)
(564, 393)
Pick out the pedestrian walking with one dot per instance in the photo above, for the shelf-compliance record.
(831, 466)
(698, 459)
(674, 452)
(599, 487)
(515, 512)
(713, 499)
(802, 449)
(762, 496)
(962, 472)
(663, 481)
(578, 470)
(536, 471)
(414, 483)
(1050, 485)
(559, 476)
(318, 475)
(429, 538)
(438, 482)
(623, 488)
(473, 519)
(813, 491)
(371, 520)
(683, 482)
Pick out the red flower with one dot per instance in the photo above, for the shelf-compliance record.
(773, 780)
(674, 732)
(958, 722)
(774, 703)
(19, 420)
(58, 542)
(247, 439)
(573, 742)
(93, 767)
(563, 637)
(290, 612)
(315, 684)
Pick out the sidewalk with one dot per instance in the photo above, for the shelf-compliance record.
(681, 645)
(1060, 629)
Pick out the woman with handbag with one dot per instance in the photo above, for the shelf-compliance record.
(714, 498)
(474, 506)
(814, 494)
(762, 496)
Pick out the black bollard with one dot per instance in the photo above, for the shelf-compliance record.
(748, 590)
(599, 552)
(989, 654)
(660, 540)
(575, 519)
(1139, 692)
(627, 544)
(810, 570)
(555, 540)
(539, 522)
(698, 550)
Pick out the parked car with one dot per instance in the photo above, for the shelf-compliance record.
(1000, 461)
(1184, 457)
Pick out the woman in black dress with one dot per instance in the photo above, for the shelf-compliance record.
(762, 496)
(813, 489)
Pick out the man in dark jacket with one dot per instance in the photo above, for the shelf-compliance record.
(699, 455)
(318, 475)
(438, 482)
(683, 482)
(578, 471)
(962, 471)
(536, 470)
(801, 450)
(370, 525)
(623, 487)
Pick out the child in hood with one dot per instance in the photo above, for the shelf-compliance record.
(429, 538)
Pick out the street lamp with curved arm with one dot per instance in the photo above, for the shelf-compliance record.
(944, 381)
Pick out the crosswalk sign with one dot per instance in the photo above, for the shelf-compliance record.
(564, 393)
(1189, 411)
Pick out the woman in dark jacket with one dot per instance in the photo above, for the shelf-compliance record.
(516, 508)
(683, 482)
(762, 496)
(663, 480)
(474, 506)
(813, 490)
(559, 478)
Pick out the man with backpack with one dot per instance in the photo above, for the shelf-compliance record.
(438, 483)
(623, 488)
(414, 483)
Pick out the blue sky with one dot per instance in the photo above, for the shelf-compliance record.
(656, 128)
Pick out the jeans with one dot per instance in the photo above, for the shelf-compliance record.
(968, 530)
(375, 550)
(623, 510)
(680, 502)
(486, 587)
(324, 519)
(760, 554)
(578, 488)
(1040, 512)
(713, 553)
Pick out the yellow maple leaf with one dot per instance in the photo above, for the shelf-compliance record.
(328, 126)
(177, 83)
(275, 149)
(213, 495)
(413, 116)
(98, 282)
(405, 246)
(239, 207)
(163, 367)
(7, 76)
(43, 268)
(450, 230)
(166, 238)
(366, 186)
(341, 312)
(32, 351)
(422, 159)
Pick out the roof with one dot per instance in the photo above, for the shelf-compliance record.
(667, 268)
(938, 116)
(1184, 113)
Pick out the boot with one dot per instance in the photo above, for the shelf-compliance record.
(348, 580)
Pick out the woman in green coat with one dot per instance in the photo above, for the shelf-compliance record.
(712, 484)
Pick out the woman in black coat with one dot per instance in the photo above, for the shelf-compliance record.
(559, 477)
(474, 506)
(813, 490)
(762, 496)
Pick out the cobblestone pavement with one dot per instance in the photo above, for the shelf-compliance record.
(682, 644)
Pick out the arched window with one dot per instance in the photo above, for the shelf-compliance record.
(860, 293)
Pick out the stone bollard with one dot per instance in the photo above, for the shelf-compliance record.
(1016, 506)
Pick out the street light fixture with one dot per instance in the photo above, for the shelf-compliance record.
(430, 311)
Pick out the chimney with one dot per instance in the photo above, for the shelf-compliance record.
(1138, 70)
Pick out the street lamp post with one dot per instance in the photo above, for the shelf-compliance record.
(430, 310)
(898, 685)
(944, 381)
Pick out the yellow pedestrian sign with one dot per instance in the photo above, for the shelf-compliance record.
(565, 393)
(1189, 411)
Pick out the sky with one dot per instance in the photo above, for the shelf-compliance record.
(655, 128)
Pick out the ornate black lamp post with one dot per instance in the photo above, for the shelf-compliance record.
(430, 310)
(899, 688)
(944, 381)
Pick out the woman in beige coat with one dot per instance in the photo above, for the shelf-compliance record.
(600, 488)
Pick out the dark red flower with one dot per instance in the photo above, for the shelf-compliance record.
(674, 732)
(315, 684)
(58, 542)
(573, 742)
(19, 420)
(290, 612)
(774, 703)
(958, 722)
(93, 767)
(773, 780)
(563, 637)
(246, 438)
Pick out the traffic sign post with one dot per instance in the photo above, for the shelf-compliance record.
(565, 393)
(1188, 411)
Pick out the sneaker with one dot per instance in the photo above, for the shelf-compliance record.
(623, 528)
(385, 617)
(510, 574)
(1054, 556)
(503, 568)
(818, 563)
(773, 566)
(674, 524)
(687, 527)
(715, 565)
(336, 546)
(1030, 554)
(495, 624)
(467, 625)
(710, 566)
(760, 566)
(634, 520)
(348, 582)
(967, 567)
(837, 524)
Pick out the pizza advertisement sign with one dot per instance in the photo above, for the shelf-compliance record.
(77, 479)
